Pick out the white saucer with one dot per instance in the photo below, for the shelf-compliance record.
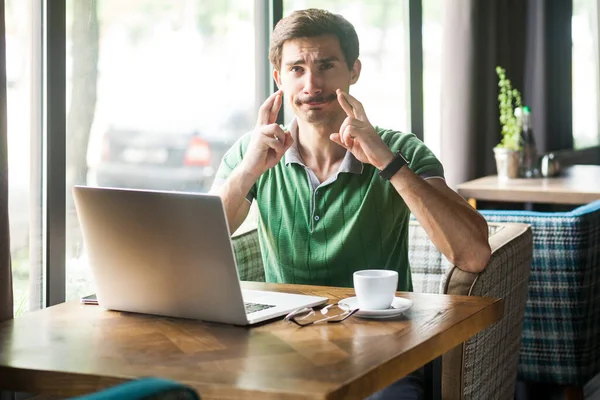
(399, 305)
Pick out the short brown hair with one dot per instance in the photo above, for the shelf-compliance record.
(314, 22)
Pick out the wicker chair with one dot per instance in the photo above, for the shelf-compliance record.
(561, 333)
(484, 367)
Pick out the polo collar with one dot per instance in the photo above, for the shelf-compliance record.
(349, 164)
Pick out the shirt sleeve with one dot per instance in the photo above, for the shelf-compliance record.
(232, 158)
(421, 159)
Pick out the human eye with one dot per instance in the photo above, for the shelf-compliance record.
(296, 68)
(326, 66)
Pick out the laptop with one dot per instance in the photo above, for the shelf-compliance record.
(170, 253)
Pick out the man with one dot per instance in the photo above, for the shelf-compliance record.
(334, 193)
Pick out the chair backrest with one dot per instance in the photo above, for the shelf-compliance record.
(428, 265)
(248, 256)
(485, 367)
(561, 332)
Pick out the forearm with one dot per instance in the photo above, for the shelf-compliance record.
(268, 143)
(455, 228)
(233, 194)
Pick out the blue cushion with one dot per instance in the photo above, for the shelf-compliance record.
(144, 389)
(560, 342)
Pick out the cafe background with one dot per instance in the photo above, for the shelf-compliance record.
(153, 96)
(150, 93)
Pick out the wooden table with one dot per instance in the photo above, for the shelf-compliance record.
(70, 349)
(578, 184)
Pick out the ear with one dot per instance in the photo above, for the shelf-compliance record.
(277, 78)
(355, 71)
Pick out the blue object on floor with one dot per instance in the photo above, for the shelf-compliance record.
(144, 389)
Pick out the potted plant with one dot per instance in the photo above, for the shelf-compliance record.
(507, 152)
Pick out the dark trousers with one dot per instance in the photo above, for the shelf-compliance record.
(411, 387)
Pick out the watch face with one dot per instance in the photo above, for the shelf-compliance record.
(402, 155)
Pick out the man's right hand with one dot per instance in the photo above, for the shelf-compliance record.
(269, 142)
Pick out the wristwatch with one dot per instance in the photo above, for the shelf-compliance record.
(394, 166)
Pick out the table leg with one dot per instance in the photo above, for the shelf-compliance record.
(433, 379)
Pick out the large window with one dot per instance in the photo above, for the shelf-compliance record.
(382, 28)
(586, 74)
(157, 91)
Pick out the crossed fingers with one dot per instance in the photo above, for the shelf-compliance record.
(267, 113)
(267, 119)
(355, 121)
(352, 107)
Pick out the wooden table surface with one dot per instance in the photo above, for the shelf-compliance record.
(578, 184)
(70, 349)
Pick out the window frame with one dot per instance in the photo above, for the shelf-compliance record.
(415, 23)
(53, 196)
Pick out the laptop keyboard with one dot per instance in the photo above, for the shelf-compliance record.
(254, 307)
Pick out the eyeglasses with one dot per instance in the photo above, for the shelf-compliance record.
(331, 313)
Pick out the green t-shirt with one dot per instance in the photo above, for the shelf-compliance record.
(321, 233)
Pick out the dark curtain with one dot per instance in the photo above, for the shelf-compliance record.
(548, 73)
(6, 295)
(529, 39)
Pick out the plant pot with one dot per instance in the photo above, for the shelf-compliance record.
(507, 163)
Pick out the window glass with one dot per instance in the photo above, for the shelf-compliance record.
(23, 164)
(157, 91)
(585, 73)
(382, 28)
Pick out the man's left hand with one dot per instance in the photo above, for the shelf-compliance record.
(358, 135)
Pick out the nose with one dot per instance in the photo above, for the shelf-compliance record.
(313, 84)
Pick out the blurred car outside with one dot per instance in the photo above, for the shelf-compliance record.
(173, 154)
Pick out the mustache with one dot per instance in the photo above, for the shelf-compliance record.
(315, 99)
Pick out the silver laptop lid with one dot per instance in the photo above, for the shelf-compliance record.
(164, 253)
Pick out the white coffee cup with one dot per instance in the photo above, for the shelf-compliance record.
(375, 288)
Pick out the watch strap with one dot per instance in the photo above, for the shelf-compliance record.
(394, 166)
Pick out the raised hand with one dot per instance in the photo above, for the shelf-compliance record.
(358, 135)
(269, 142)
